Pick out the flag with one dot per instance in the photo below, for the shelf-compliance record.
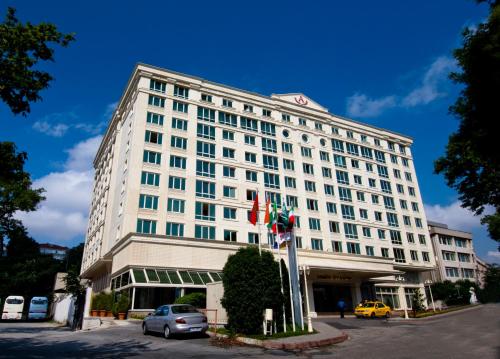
(267, 216)
(274, 218)
(291, 219)
(255, 210)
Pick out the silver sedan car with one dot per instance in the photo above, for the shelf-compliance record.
(175, 318)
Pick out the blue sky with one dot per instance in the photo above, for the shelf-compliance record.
(383, 63)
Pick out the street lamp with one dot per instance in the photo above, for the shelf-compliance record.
(401, 279)
(429, 282)
(306, 272)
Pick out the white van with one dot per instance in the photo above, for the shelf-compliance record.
(13, 307)
(38, 308)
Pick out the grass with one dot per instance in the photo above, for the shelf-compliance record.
(431, 313)
(279, 335)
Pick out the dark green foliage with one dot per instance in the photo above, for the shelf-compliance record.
(491, 291)
(417, 304)
(123, 303)
(471, 164)
(454, 293)
(74, 258)
(21, 246)
(251, 284)
(198, 300)
(22, 47)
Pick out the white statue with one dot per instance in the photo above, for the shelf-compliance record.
(473, 298)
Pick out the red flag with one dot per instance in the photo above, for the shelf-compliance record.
(255, 210)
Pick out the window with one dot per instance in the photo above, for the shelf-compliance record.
(381, 233)
(394, 159)
(180, 91)
(248, 124)
(178, 142)
(228, 135)
(228, 119)
(178, 183)
(270, 162)
(292, 201)
(247, 108)
(271, 180)
(179, 124)
(229, 192)
(363, 213)
(451, 272)
(287, 147)
(421, 239)
(355, 163)
(206, 98)
(148, 201)
(353, 248)
(366, 152)
(379, 156)
(329, 191)
(396, 237)
(180, 107)
(306, 152)
(406, 220)
(274, 198)
(151, 157)
(345, 194)
(318, 126)
(375, 199)
(302, 122)
(229, 172)
(376, 141)
(338, 146)
(205, 211)
(369, 251)
(403, 204)
(460, 243)
(204, 232)
(227, 103)
(206, 114)
(310, 186)
(337, 246)
(267, 128)
(308, 168)
(154, 118)
(228, 152)
(414, 255)
(178, 162)
(360, 196)
(399, 255)
(425, 256)
(298, 241)
(400, 188)
(385, 252)
(251, 176)
(314, 224)
(155, 85)
(230, 236)
(414, 206)
(327, 172)
(288, 164)
(334, 227)
(251, 195)
(392, 219)
(316, 244)
(324, 156)
(205, 169)
(405, 162)
(352, 149)
(290, 182)
(175, 229)
(250, 157)
(410, 238)
(411, 191)
(175, 205)
(467, 273)
(385, 186)
(367, 232)
(205, 149)
(229, 213)
(418, 223)
(342, 177)
(335, 130)
(389, 203)
(269, 145)
(347, 211)
(357, 180)
(250, 140)
(339, 161)
(448, 256)
(397, 173)
(205, 189)
(350, 230)
(312, 204)
(372, 183)
(331, 207)
(156, 101)
(150, 178)
(205, 131)
(382, 171)
(146, 226)
(253, 238)
(285, 117)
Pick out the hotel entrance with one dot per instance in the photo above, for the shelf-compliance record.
(326, 297)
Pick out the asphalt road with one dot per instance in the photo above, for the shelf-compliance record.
(471, 334)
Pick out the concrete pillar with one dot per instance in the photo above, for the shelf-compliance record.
(88, 300)
(356, 293)
(310, 291)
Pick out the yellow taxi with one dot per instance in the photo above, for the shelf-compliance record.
(372, 310)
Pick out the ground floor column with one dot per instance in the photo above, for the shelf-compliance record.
(356, 294)
(88, 300)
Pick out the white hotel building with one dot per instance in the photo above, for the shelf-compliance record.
(183, 157)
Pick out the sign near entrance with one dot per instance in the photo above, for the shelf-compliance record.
(333, 277)
(301, 100)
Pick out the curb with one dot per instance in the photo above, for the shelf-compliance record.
(437, 316)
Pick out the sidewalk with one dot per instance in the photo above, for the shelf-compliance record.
(327, 335)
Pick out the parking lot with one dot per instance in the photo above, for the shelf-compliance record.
(470, 334)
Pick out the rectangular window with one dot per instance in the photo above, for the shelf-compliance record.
(352, 149)
(227, 103)
(206, 98)
(353, 248)
(334, 227)
(180, 107)
(382, 171)
(414, 255)
(363, 213)
(324, 156)
(205, 189)
(403, 204)
(389, 203)
(251, 176)
(347, 211)
(340, 161)
(288, 164)
(267, 128)
(150, 178)
(179, 124)
(385, 252)
(338, 146)
(318, 126)
(292, 201)
(230, 236)
(329, 190)
(366, 152)
(269, 145)
(175, 229)
(298, 241)
(178, 142)
(205, 211)
(156, 101)
(290, 182)
(351, 230)
(270, 162)
(250, 140)
(399, 255)
(308, 168)
(146, 226)
(181, 91)
(205, 169)
(342, 177)
(204, 232)
(250, 157)
(229, 171)
(287, 147)
(410, 238)
(314, 224)
(331, 207)
(247, 108)
(205, 149)
(148, 202)
(385, 186)
(425, 256)
(396, 237)
(369, 251)
(327, 172)
(228, 119)
(151, 157)
(178, 183)
(228, 152)
(302, 122)
(367, 232)
(285, 117)
(229, 213)
(205, 131)
(312, 204)
(411, 191)
(337, 246)
(227, 135)
(205, 114)
(249, 124)
(271, 180)
(178, 162)
(154, 118)
(421, 239)
(306, 152)
(375, 199)
(175, 205)
(158, 86)
(253, 238)
(345, 194)
(310, 186)
(392, 219)
(251, 195)
(316, 244)
(381, 233)
(379, 156)
(358, 180)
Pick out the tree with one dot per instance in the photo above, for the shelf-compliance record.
(74, 257)
(417, 300)
(196, 299)
(471, 164)
(22, 47)
(251, 284)
(16, 192)
(21, 246)
(491, 291)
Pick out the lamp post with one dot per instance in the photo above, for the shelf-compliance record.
(306, 272)
(401, 279)
(429, 282)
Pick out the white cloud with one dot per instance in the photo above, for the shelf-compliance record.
(359, 105)
(110, 108)
(455, 216)
(493, 257)
(63, 215)
(57, 130)
(428, 90)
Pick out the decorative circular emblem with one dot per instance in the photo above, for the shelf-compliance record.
(286, 133)
(301, 100)
(305, 138)
(323, 142)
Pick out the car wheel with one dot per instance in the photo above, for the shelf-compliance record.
(388, 314)
(145, 330)
(372, 315)
(166, 332)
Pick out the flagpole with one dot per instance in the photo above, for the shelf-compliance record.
(258, 223)
(290, 287)
(281, 280)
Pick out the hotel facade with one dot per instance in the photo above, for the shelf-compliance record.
(179, 166)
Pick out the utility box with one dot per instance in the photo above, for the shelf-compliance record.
(215, 292)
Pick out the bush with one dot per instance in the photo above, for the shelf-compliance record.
(198, 300)
(251, 284)
(123, 303)
(454, 293)
(491, 291)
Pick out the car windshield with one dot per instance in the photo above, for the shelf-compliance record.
(183, 309)
(39, 301)
(14, 301)
(369, 305)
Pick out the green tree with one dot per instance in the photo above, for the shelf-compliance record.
(73, 258)
(491, 291)
(16, 192)
(417, 302)
(251, 284)
(197, 299)
(21, 246)
(471, 164)
(22, 47)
